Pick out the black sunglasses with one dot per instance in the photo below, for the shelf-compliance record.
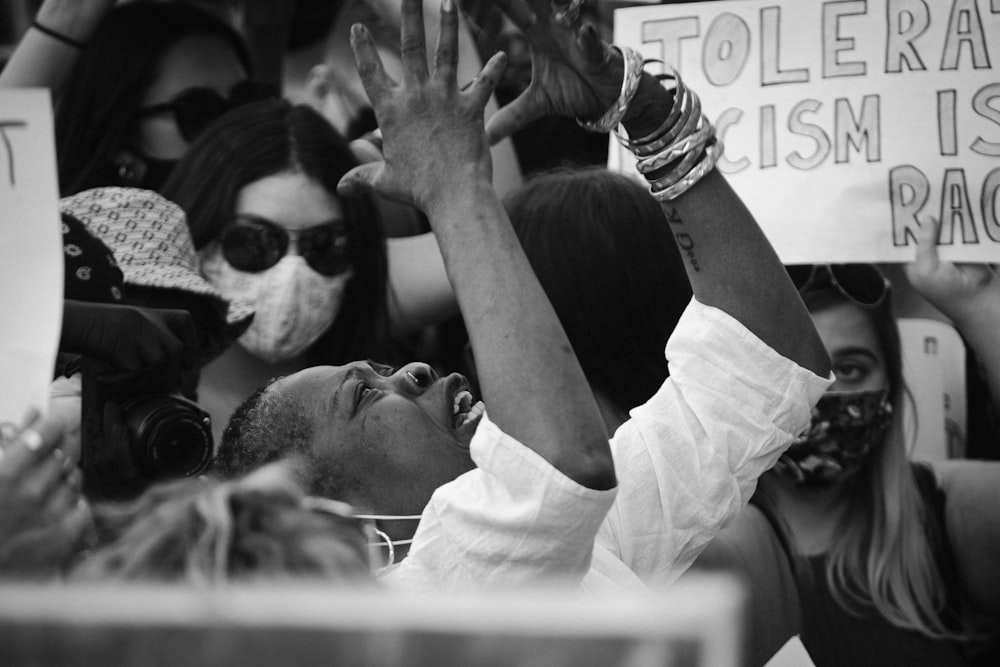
(195, 109)
(862, 284)
(254, 244)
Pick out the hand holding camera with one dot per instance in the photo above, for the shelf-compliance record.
(145, 347)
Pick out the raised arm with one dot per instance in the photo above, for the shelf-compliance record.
(969, 294)
(729, 261)
(437, 158)
(49, 49)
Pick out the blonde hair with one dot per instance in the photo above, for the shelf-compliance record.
(887, 546)
(883, 554)
(209, 532)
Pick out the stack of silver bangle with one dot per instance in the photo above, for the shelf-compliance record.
(686, 139)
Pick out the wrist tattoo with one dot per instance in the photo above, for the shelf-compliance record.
(685, 243)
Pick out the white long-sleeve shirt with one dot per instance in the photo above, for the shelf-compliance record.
(686, 462)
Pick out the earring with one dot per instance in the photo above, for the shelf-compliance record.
(126, 174)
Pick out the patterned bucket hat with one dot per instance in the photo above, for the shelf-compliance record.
(151, 240)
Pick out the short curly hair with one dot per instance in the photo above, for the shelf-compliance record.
(268, 426)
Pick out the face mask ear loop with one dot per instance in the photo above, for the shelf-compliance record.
(388, 542)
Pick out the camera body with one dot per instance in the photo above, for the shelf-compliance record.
(132, 438)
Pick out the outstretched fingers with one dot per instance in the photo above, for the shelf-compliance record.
(372, 72)
(489, 77)
(413, 42)
(446, 58)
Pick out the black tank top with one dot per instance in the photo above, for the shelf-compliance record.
(836, 638)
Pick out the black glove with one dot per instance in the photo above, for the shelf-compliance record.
(144, 347)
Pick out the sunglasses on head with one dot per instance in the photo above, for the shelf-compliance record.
(194, 109)
(862, 284)
(254, 244)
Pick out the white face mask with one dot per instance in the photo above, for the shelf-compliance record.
(293, 304)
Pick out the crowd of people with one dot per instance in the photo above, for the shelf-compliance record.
(234, 398)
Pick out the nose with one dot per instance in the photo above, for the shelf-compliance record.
(416, 377)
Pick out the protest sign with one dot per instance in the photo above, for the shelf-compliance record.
(847, 125)
(31, 269)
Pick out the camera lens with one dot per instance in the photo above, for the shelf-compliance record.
(178, 448)
(171, 436)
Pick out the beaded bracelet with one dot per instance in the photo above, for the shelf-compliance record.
(58, 36)
(712, 155)
(630, 84)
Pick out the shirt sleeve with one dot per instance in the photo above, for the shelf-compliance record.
(688, 459)
(513, 521)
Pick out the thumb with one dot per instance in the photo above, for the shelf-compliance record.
(926, 260)
(511, 118)
(591, 44)
(181, 324)
(361, 179)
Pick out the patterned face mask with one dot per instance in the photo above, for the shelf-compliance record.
(845, 428)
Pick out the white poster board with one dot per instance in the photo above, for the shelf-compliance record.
(847, 124)
(31, 267)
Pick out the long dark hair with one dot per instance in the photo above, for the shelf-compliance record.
(95, 113)
(267, 138)
(605, 257)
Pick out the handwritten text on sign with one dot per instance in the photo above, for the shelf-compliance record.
(847, 124)
(31, 268)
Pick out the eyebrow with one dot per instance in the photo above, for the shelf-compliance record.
(855, 350)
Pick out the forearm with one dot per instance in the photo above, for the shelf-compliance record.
(730, 263)
(530, 378)
(42, 61)
(979, 328)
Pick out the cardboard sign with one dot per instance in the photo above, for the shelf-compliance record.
(847, 125)
(31, 269)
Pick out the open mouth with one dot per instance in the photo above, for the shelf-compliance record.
(466, 412)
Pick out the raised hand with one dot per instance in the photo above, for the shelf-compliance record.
(42, 517)
(960, 291)
(573, 72)
(146, 347)
(433, 133)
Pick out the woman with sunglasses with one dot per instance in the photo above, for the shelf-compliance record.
(259, 189)
(874, 559)
(152, 76)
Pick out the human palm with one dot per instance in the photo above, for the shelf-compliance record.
(573, 72)
(954, 288)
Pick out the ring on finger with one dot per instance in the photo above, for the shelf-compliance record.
(568, 15)
(32, 439)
